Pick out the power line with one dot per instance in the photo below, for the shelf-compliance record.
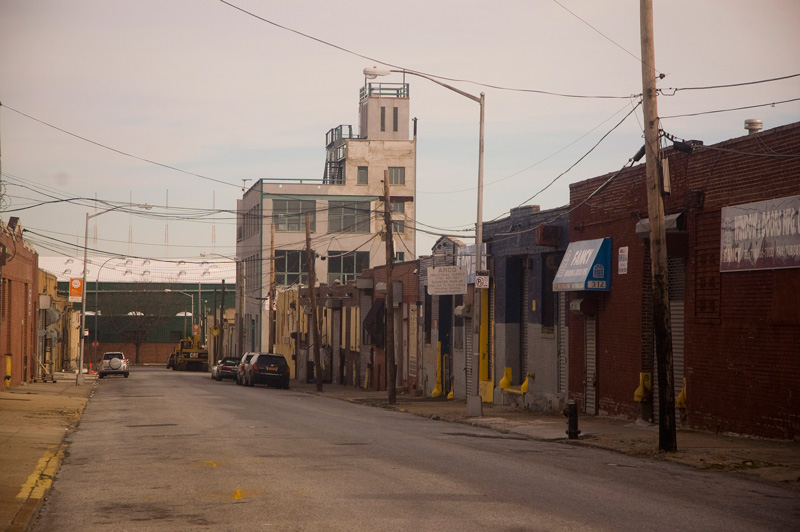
(119, 151)
(742, 84)
(580, 159)
(374, 60)
(609, 39)
(536, 163)
(772, 104)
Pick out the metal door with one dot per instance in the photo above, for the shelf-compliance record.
(563, 344)
(590, 327)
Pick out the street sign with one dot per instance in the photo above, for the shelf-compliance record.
(76, 290)
(447, 280)
(482, 281)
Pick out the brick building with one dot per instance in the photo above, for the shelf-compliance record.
(733, 244)
(19, 265)
(372, 288)
(530, 322)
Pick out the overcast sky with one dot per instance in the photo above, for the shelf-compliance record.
(202, 87)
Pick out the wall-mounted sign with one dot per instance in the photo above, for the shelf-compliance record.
(622, 264)
(447, 280)
(586, 266)
(761, 236)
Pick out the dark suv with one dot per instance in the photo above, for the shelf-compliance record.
(272, 370)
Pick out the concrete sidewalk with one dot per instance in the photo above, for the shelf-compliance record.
(35, 419)
(769, 461)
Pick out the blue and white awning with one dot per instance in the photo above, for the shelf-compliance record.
(586, 266)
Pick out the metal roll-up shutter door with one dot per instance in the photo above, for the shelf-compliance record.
(590, 327)
(563, 345)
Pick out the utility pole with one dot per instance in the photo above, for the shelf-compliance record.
(312, 293)
(270, 314)
(658, 238)
(222, 321)
(391, 363)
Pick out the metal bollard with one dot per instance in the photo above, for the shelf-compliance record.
(571, 413)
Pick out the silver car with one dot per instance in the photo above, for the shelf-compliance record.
(113, 363)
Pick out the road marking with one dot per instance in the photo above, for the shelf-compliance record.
(237, 494)
(42, 477)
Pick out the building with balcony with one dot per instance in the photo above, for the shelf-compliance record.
(344, 209)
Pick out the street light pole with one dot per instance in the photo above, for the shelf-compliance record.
(474, 403)
(79, 378)
(184, 314)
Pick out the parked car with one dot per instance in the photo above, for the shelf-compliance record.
(113, 363)
(241, 369)
(269, 369)
(227, 368)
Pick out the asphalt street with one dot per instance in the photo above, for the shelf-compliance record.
(177, 451)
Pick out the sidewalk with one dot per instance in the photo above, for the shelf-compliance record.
(34, 419)
(769, 461)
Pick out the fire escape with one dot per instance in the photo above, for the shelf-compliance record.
(335, 154)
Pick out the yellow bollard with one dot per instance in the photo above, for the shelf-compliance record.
(505, 382)
(529, 377)
(437, 391)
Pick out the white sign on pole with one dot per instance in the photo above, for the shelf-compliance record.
(447, 280)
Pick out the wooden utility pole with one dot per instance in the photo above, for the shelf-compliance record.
(391, 363)
(312, 293)
(658, 238)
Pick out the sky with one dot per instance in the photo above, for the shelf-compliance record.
(177, 104)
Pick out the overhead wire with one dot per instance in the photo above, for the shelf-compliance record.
(771, 104)
(170, 167)
(573, 165)
(374, 60)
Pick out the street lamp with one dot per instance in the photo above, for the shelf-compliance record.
(79, 378)
(474, 404)
(184, 314)
(96, 306)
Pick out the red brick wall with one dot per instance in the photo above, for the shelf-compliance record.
(742, 360)
(18, 308)
(150, 353)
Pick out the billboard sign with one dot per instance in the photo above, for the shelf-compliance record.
(764, 235)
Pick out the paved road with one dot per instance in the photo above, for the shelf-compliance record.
(177, 451)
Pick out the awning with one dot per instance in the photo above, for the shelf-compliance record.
(586, 266)
(374, 322)
(673, 223)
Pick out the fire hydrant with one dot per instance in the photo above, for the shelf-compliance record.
(571, 413)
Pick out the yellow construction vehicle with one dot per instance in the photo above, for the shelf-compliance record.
(190, 355)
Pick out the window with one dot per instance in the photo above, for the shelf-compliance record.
(290, 267)
(399, 256)
(398, 226)
(394, 118)
(346, 266)
(289, 215)
(397, 175)
(348, 216)
(363, 175)
(398, 206)
(383, 118)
